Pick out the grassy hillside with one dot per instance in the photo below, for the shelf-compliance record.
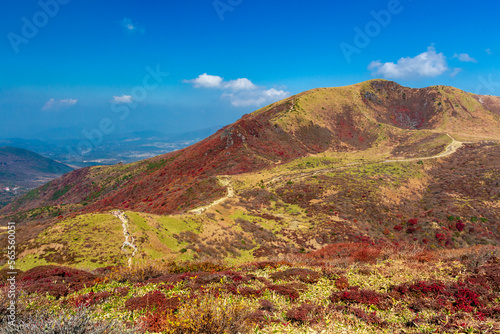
(368, 162)
(363, 209)
(294, 208)
(379, 117)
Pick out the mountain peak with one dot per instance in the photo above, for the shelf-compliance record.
(372, 115)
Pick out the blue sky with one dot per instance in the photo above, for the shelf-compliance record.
(176, 66)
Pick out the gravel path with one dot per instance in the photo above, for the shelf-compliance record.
(129, 240)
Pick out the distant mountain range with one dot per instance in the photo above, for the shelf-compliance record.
(63, 145)
(21, 170)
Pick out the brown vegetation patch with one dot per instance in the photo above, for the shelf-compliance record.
(304, 275)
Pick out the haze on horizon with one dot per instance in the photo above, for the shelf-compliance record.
(67, 67)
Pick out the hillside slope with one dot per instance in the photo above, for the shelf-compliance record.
(373, 162)
(22, 169)
(376, 113)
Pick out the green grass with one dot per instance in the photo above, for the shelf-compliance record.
(158, 164)
(154, 234)
(95, 240)
(90, 241)
(177, 225)
(29, 261)
(396, 171)
(61, 192)
(268, 224)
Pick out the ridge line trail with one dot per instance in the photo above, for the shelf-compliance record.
(450, 149)
(226, 180)
(126, 243)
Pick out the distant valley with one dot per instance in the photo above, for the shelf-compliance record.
(22, 170)
(72, 148)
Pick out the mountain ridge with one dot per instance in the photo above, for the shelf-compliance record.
(372, 162)
(339, 119)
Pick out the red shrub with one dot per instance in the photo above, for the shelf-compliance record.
(366, 297)
(154, 300)
(465, 299)
(440, 237)
(341, 283)
(122, 291)
(285, 290)
(266, 305)
(456, 297)
(243, 291)
(56, 290)
(169, 278)
(421, 288)
(90, 299)
(410, 230)
(490, 275)
(491, 312)
(370, 318)
(420, 304)
(305, 313)
(425, 256)
(304, 275)
(356, 251)
(154, 322)
(57, 281)
(261, 318)
(366, 255)
(267, 264)
(413, 221)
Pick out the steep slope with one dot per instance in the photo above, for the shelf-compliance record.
(396, 121)
(22, 169)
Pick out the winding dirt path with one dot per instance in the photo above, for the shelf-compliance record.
(450, 149)
(227, 181)
(129, 240)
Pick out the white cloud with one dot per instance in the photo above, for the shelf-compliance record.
(246, 100)
(58, 104)
(274, 93)
(129, 26)
(206, 81)
(464, 57)
(456, 70)
(488, 51)
(240, 92)
(256, 98)
(240, 84)
(426, 64)
(122, 99)
(214, 81)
